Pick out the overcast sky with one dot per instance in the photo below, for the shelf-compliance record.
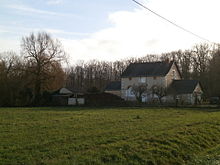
(110, 29)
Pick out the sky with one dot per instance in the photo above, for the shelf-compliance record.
(110, 29)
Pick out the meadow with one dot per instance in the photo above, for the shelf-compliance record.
(42, 136)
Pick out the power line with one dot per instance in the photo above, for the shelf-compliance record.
(180, 27)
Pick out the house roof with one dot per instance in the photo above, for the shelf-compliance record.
(147, 69)
(113, 86)
(184, 86)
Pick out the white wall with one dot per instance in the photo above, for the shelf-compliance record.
(72, 101)
(150, 81)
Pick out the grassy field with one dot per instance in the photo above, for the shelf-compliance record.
(39, 136)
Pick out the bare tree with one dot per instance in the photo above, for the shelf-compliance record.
(214, 72)
(201, 58)
(139, 90)
(159, 91)
(42, 54)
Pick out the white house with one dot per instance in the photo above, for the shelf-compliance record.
(163, 74)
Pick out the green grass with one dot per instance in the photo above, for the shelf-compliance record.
(39, 136)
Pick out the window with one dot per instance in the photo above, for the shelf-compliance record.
(130, 91)
(142, 79)
(174, 74)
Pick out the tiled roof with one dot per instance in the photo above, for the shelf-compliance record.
(184, 86)
(147, 69)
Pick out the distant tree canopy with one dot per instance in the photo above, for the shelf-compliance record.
(24, 78)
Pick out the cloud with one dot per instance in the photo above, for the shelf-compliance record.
(139, 32)
(22, 30)
(9, 45)
(54, 2)
(130, 36)
(29, 10)
(62, 32)
(3, 31)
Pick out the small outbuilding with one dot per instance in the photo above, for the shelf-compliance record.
(65, 96)
(186, 91)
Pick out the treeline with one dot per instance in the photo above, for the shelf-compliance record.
(202, 63)
(29, 78)
(94, 74)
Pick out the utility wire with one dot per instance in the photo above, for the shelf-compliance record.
(180, 27)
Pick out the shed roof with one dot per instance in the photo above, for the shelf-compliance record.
(147, 69)
(62, 92)
(65, 91)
